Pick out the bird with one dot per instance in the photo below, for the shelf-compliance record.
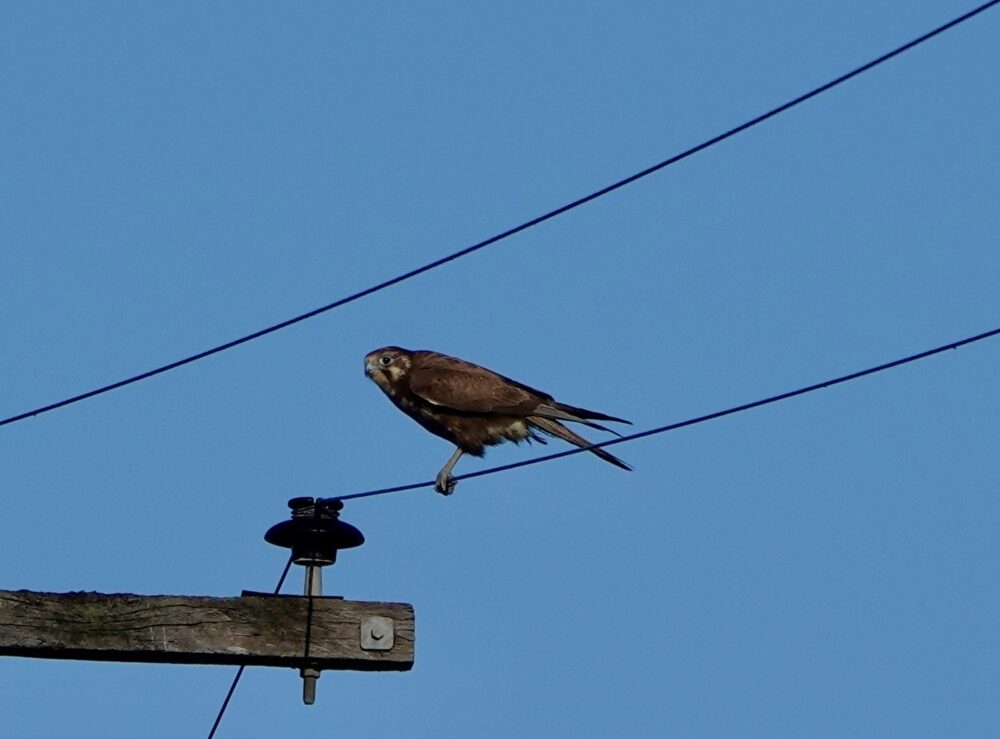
(474, 407)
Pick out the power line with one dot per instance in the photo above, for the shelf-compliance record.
(239, 672)
(692, 421)
(511, 231)
(630, 437)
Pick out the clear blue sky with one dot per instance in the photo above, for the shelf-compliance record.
(176, 175)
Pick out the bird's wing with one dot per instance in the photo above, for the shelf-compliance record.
(473, 389)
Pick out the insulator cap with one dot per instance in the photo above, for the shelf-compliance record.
(315, 532)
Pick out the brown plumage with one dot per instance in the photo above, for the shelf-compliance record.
(473, 407)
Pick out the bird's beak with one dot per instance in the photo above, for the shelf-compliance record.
(369, 367)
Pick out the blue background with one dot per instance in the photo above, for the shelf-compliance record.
(176, 175)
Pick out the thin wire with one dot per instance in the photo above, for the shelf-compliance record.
(692, 421)
(511, 231)
(239, 672)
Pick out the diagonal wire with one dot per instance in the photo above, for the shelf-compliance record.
(239, 672)
(693, 421)
(630, 437)
(511, 231)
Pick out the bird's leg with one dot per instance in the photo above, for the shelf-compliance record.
(445, 483)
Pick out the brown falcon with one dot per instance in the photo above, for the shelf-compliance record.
(473, 407)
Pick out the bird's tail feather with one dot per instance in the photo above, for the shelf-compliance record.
(562, 412)
(554, 428)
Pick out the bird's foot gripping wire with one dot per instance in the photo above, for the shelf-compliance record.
(445, 483)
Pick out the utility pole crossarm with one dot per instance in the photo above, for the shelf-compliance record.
(250, 630)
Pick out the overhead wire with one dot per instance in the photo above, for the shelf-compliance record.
(691, 421)
(242, 669)
(511, 231)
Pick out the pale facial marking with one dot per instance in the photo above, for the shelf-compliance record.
(385, 367)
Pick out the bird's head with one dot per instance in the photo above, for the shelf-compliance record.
(386, 366)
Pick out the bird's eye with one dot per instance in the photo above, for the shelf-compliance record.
(385, 360)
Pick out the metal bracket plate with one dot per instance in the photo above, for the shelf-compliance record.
(377, 633)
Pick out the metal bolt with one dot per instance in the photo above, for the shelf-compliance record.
(309, 678)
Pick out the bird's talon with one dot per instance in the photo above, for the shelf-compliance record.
(446, 485)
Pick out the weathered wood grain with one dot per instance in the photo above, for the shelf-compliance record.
(249, 630)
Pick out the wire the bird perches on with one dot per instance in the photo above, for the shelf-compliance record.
(693, 421)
